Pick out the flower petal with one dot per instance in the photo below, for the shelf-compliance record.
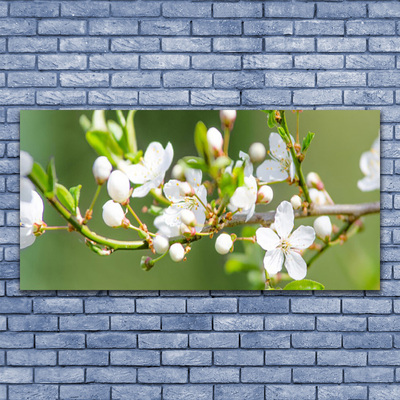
(295, 265)
(277, 146)
(137, 173)
(267, 238)
(369, 183)
(250, 212)
(26, 189)
(167, 160)
(143, 190)
(270, 171)
(26, 163)
(242, 198)
(284, 219)
(292, 171)
(366, 162)
(273, 261)
(164, 229)
(194, 177)
(26, 238)
(302, 238)
(154, 155)
(172, 191)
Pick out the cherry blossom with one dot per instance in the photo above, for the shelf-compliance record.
(283, 247)
(31, 213)
(245, 197)
(370, 167)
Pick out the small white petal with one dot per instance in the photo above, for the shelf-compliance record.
(302, 238)
(267, 238)
(295, 265)
(284, 219)
(273, 261)
(26, 238)
(277, 146)
(194, 177)
(137, 173)
(368, 183)
(142, 191)
(172, 191)
(26, 163)
(154, 154)
(270, 171)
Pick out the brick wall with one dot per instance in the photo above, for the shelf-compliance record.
(199, 345)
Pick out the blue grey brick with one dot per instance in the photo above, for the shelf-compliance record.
(317, 97)
(236, 392)
(109, 306)
(365, 27)
(384, 10)
(135, 322)
(386, 237)
(87, 45)
(214, 375)
(366, 306)
(370, 61)
(289, 322)
(317, 375)
(13, 150)
(16, 375)
(381, 392)
(238, 10)
(320, 340)
(214, 62)
(135, 357)
(84, 323)
(269, 305)
(319, 61)
(186, 357)
(163, 340)
(61, 27)
(263, 97)
(386, 273)
(238, 357)
(341, 45)
(212, 305)
(136, 79)
(240, 323)
(113, 26)
(368, 97)
(9, 166)
(345, 392)
(368, 374)
(32, 45)
(83, 79)
(342, 78)
(237, 45)
(285, 45)
(15, 305)
(129, 392)
(159, 98)
(187, 79)
(109, 96)
(83, 357)
(384, 357)
(267, 61)
(345, 10)
(386, 323)
(136, 9)
(384, 78)
(57, 306)
(342, 358)
(288, 10)
(61, 97)
(111, 340)
(216, 27)
(387, 44)
(341, 323)
(289, 79)
(114, 61)
(32, 323)
(165, 27)
(164, 61)
(34, 9)
(61, 61)
(386, 131)
(270, 28)
(9, 270)
(367, 341)
(85, 9)
(239, 80)
(186, 323)
(110, 375)
(289, 357)
(261, 340)
(16, 340)
(11, 253)
(3, 9)
(319, 27)
(218, 97)
(289, 392)
(193, 45)
(19, 26)
(266, 375)
(162, 375)
(214, 340)
(60, 375)
(164, 306)
(17, 61)
(186, 10)
(39, 392)
(179, 392)
(138, 44)
(31, 357)
(92, 391)
(325, 306)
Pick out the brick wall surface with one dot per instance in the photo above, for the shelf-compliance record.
(199, 345)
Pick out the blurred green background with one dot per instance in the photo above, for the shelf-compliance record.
(60, 260)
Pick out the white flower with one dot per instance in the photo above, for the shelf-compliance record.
(113, 214)
(227, 117)
(164, 229)
(370, 167)
(223, 244)
(283, 246)
(161, 244)
(180, 201)
(245, 197)
(318, 197)
(296, 202)
(245, 160)
(323, 227)
(188, 218)
(215, 140)
(177, 172)
(150, 172)
(257, 152)
(118, 186)
(281, 166)
(26, 163)
(31, 213)
(101, 169)
(265, 194)
(176, 252)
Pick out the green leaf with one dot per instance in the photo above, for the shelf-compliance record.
(65, 197)
(282, 133)
(271, 119)
(51, 172)
(219, 164)
(304, 284)
(130, 132)
(201, 143)
(194, 162)
(227, 185)
(40, 177)
(307, 141)
(155, 210)
(239, 263)
(134, 158)
(76, 193)
(105, 145)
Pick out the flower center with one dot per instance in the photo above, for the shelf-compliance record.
(285, 245)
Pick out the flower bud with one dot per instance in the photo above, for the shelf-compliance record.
(101, 169)
(296, 202)
(257, 152)
(265, 194)
(188, 218)
(314, 181)
(185, 189)
(227, 118)
(177, 173)
(215, 140)
(223, 244)
(184, 229)
(161, 244)
(118, 186)
(113, 214)
(176, 252)
(323, 227)
(317, 197)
